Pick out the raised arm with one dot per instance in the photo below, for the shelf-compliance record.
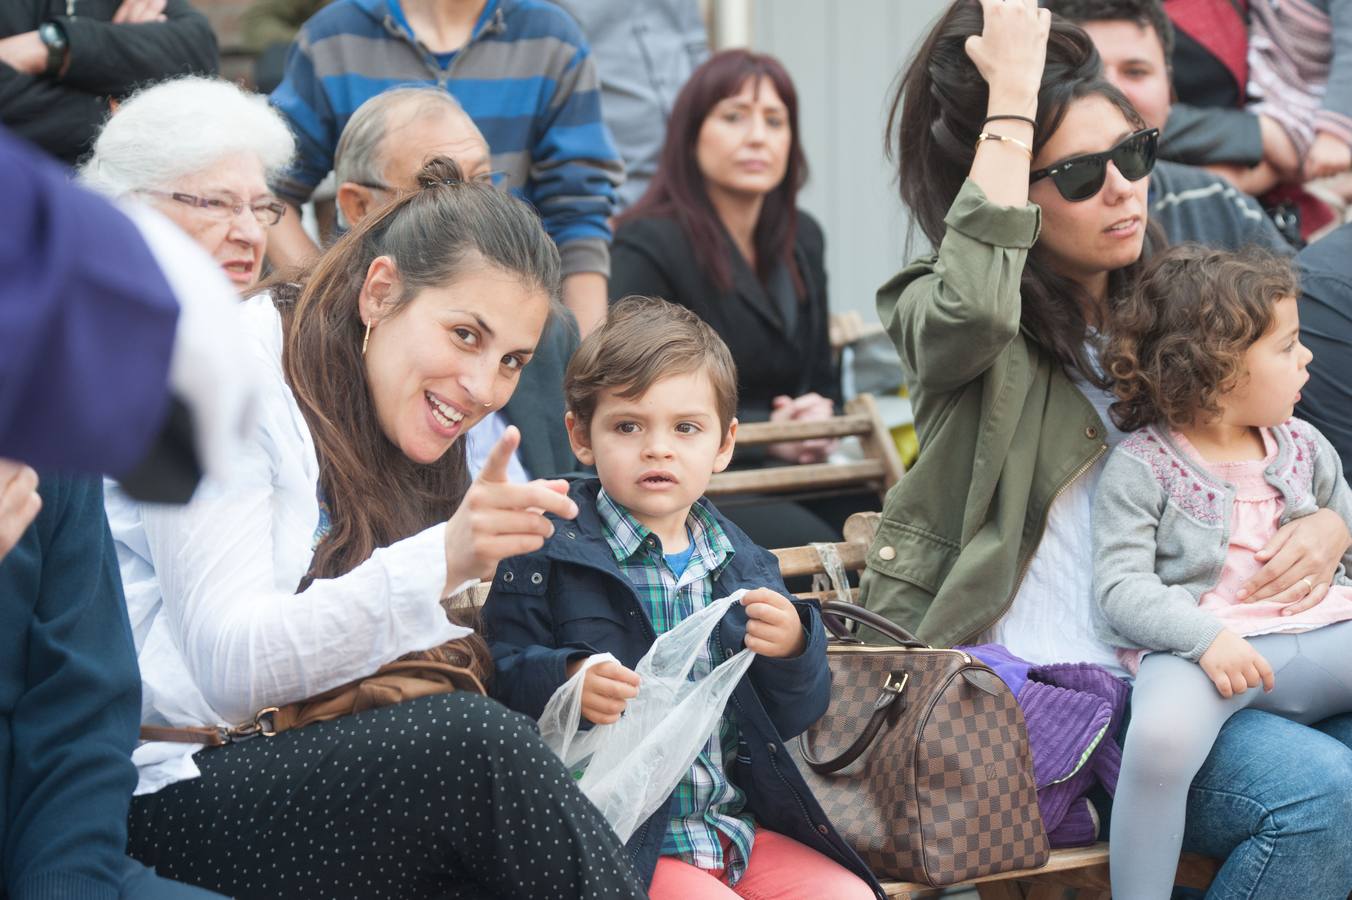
(951, 317)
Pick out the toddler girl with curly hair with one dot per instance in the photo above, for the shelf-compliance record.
(1207, 365)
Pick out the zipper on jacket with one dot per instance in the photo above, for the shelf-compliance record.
(1028, 561)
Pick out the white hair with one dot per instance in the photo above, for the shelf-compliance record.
(181, 127)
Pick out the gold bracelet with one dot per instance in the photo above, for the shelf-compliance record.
(1004, 139)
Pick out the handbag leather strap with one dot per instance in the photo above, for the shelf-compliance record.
(867, 617)
(890, 703)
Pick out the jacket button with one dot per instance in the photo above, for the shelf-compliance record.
(536, 578)
(823, 829)
(508, 576)
(1091, 432)
(771, 747)
(571, 535)
(887, 553)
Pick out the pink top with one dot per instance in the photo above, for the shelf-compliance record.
(1254, 519)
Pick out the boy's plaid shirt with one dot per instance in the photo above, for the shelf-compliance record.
(707, 803)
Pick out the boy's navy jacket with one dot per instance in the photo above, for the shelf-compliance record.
(569, 599)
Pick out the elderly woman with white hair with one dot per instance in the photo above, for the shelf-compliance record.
(201, 151)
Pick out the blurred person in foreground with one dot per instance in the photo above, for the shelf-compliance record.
(125, 310)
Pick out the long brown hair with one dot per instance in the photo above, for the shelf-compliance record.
(375, 494)
(677, 190)
(936, 115)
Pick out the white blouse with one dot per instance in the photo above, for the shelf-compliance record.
(220, 632)
(1050, 618)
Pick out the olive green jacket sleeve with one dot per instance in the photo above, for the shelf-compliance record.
(1002, 428)
(952, 314)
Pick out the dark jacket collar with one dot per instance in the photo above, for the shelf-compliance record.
(582, 540)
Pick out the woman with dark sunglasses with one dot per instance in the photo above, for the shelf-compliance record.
(1028, 173)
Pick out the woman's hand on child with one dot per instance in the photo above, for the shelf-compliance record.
(1234, 666)
(1299, 562)
(1328, 155)
(772, 627)
(498, 519)
(1011, 52)
(607, 689)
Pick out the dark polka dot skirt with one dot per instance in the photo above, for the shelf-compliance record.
(453, 796)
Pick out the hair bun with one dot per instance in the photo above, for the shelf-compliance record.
(440, 171)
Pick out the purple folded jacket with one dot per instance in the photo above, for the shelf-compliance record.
(1073, 712)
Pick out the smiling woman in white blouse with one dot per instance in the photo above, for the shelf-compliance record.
(349, 520)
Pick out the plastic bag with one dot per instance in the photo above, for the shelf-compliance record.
(632, 766)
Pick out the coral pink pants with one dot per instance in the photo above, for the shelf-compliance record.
(780, 869)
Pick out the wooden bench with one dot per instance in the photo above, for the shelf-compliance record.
(878, 470)
(1075, 872)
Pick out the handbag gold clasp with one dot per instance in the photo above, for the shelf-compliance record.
(261, 724)
(895, 686)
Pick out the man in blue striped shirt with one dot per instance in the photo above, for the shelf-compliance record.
(522, 71)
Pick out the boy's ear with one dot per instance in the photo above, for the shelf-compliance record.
(725, 449)
(580, 439)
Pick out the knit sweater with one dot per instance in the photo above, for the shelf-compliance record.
(526, 78)
(1162, 530)
(70, 704)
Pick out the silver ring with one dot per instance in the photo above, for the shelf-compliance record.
(1309, 585)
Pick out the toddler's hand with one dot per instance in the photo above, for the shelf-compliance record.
(1328, 155)
(606, 690)
(773, 627)
(1234, 666)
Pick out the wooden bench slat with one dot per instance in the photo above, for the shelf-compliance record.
(757, 433)
(795, 561)
(1077, 867)
(781, 479)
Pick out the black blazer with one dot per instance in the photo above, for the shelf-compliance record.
(536, 406)
(653, 257)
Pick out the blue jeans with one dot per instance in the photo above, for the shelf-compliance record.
(1274, 800)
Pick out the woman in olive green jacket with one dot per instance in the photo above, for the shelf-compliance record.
(1039, 215)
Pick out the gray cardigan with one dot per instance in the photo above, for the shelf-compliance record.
(1162, 530)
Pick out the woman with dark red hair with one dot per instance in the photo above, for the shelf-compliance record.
(719, 231)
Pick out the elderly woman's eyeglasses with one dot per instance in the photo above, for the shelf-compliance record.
(267, 212)
(1081, 177)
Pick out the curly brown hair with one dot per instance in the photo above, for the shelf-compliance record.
(1176, 342)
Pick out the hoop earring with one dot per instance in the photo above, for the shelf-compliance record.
(366, 340)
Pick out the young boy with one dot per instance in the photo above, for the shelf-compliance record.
(651, 397)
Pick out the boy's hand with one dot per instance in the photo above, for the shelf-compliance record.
(1234, 666)
(773, 628)
(606, 690)
(1328, 155)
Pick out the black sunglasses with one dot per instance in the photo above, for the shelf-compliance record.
(1081, 177)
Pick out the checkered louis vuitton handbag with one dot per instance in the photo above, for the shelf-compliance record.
(922, 760)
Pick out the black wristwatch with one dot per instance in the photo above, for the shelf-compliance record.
(54, 36)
